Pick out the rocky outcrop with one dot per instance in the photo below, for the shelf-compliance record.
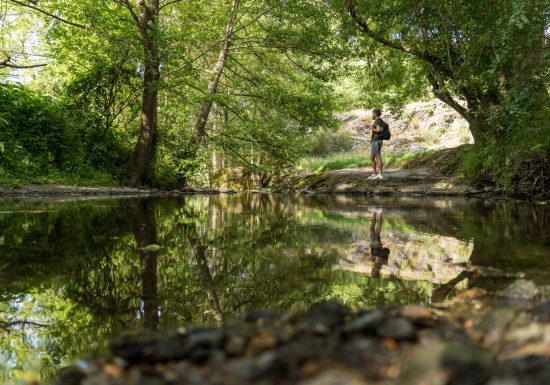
(403, 182)
(417, 127)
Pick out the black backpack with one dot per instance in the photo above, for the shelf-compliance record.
(385, 134)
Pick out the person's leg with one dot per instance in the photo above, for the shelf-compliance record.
(373, 223)
(378, 225)
(373, 159)
(379, 163)
(373, 163)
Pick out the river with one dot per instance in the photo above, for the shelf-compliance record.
(78, 273)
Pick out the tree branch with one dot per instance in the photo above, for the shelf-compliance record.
(44, 12)
(128, 6)
(166, 3)
(7, 63)
(423, 55)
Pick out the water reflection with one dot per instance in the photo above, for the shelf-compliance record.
(379, 254)
(144, 226)
(75, 274)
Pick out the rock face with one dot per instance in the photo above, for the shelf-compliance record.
(480, 339)
(418, 127)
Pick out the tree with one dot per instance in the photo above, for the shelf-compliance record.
(482, 53)
(145, 16)
(199, 128)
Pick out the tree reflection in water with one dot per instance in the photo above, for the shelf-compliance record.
(74, 275)
(144, 226)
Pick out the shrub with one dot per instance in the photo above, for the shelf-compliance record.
(37, 144)
(325, 143)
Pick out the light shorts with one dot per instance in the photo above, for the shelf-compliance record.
(375, 147)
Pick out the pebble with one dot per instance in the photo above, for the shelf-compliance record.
(522, 290)
(367, 323)
(397, 328)
(335, 377)
(235, 345)
(263, 341)
(417, 313)
(542, 312)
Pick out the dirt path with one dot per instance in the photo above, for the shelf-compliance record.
(419, 181)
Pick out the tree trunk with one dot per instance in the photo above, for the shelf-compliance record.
(199, 128)
(144, 152)
(476, 123)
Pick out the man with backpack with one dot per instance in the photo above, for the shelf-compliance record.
(380, 132)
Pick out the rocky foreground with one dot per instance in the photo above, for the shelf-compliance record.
(477, 338)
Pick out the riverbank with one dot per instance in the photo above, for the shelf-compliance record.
(351, 181)
(34, 190)
(419, 181)
(476, 338)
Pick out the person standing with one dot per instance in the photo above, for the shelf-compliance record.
(376, 145)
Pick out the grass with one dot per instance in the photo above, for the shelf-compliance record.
(353, 159)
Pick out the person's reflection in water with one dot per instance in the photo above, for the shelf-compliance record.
(378, 253)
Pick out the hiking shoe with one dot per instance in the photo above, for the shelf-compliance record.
(379, 176)
(373, 176)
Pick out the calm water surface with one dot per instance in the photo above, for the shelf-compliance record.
(75, 274)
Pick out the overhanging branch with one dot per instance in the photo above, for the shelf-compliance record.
(422, 55)
(47, 13)
(8, 63)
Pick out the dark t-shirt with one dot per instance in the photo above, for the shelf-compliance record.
(376, 135)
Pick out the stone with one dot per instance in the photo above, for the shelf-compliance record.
(208, 338)
(323, 319)
(249, 369)
(417, 313)
(468, 364)
(522, 290)
(262, 341)
(504, 381)
(335, 377)
(160, 349)
(70, 376)
(542, 312)
(441, 363)
(235, 345)
(397, 328)
(367, 323)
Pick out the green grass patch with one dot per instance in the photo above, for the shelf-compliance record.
(353, 159)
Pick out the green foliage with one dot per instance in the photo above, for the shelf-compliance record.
(324, 143)
(290, 66)
(38, 144)
(517, 165)
(98, 102)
